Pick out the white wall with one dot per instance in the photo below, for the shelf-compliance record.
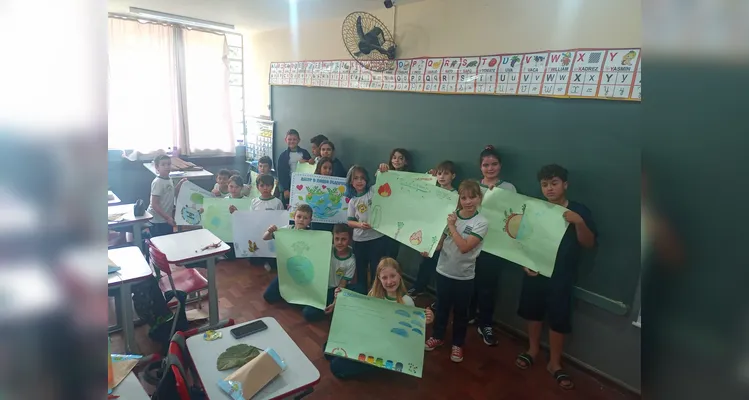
(454, 28)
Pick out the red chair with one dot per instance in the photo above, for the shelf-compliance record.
(188, 280)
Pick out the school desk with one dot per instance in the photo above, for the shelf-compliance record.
(129, 219)
(133, 268)
(130, 389)
(190, 247)
(300, 374)
(178, 175)
(112, 198)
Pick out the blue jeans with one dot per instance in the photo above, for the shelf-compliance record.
(312, 314)
(426, 272)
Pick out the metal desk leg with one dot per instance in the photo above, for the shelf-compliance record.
(128, 326)
(137, 229)
(212, 292)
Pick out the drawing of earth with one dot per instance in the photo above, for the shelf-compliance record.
(301, 269)
(190, 215)
(324, 205)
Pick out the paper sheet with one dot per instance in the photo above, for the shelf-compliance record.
(305, 168)
(323, 193)
(249, 227)
(522, 229)
(121, 369)
(217, 218)
(304, 266)
(378, 332)
(189, 202)
(411, 209)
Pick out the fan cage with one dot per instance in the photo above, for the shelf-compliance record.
(374, 61)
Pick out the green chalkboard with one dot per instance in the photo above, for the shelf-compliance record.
(596, 140)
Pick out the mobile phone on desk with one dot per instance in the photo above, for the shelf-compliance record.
(248, 329)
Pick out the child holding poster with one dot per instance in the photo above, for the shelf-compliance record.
(488, 266)
(370, 246)
(541, 296)
(302, 218)
(461, 244)
(236, 186)
(388, 285)
(342, 269)
(445, 173)
(221, 188)
(324, 166)
(266, 201)
(287, 162)
(400, 160)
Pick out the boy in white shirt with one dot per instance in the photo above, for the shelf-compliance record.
(266, 201)
(456, 268)
(163, 193)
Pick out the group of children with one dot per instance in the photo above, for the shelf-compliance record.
(467, 278)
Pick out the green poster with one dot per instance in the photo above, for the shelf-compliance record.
(305, 168)
(379, 332)
(304, 266)
(522, 229)
(217, 218)
(411, 209)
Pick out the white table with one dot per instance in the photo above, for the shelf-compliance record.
(177, 175)
(185, 248)
(133, 268)
(129, 219)
(112, 198)
(300, 373)
(130, 389)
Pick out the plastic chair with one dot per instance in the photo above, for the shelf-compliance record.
(187, 280)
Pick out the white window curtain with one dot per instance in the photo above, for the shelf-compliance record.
(143, 81)
(208, 107)
(168, 86)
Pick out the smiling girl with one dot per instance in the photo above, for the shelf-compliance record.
(460, 246)
(400, 160)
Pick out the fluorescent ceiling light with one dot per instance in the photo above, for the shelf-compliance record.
(177, 19)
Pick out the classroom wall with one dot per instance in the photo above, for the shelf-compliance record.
(453, 28)
(603, 341)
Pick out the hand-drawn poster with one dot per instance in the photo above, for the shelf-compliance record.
(189, 203)
(323, 193)
(378, 332)
(217, 218)
(522, 229)
(249, 227)
(304, 266)
(411, 209)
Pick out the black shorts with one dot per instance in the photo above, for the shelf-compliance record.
(542, 298)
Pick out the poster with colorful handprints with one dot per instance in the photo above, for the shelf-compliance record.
(249, 227)
(378, 332)
(522, 229)
(217, 218)
(323, 193)
(411, 209)
(189, 203)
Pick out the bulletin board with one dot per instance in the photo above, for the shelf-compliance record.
(611, 74)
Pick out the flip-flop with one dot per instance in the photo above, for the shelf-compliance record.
(524, 358)
(561, 376)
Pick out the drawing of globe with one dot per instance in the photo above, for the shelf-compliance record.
(324, 205)
(301, 269)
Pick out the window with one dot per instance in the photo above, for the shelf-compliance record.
(171, 85)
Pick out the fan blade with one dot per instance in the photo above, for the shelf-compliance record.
(359, 28)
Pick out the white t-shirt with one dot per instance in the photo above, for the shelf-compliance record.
(359, 210)
(407, 300)
(501, 184)
(341, 268)
(260, 204)
(294, 158)
(164, 189)
(454, 264)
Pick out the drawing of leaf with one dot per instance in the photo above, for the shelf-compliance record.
(300, 198)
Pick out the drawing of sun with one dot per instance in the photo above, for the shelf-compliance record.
(512, 222)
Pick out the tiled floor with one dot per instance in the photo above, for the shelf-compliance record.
(486, 373)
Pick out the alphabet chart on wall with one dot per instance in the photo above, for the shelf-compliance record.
(610, 74)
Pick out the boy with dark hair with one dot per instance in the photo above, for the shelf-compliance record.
(552, 297)
(316, 141)
(221, 188)
(264, 166)
(287, 163)
(163, 193)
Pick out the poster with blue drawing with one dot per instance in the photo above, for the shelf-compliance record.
(378, 332)
(188, 205)
(325, 194)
